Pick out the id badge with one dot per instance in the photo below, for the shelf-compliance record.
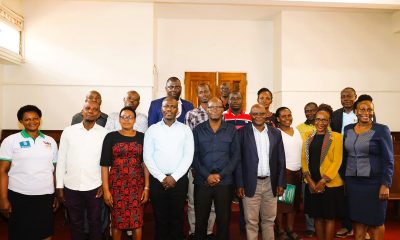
(25, 144)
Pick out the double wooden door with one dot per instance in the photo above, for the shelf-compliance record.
(237, 82)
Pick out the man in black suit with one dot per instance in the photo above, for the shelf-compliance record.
(260, 175)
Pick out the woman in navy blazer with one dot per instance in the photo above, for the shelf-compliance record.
(369, 163)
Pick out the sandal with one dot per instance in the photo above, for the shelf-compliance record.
(293, 236)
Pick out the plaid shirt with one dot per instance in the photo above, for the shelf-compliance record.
(195, 117)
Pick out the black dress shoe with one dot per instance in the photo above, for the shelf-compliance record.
(191, 236)
(210, 236)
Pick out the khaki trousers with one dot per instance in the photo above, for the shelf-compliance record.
(262, 205)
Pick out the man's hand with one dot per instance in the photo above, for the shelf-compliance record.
(168, 182)
(60, 195)
(108, 198)
(5, 207)
(56, 204)
(213, 179)
(240, 192)
(279, 191)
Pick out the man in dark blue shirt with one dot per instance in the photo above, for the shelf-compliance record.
(217, 152)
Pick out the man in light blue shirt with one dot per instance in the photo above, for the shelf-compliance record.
(168, 153)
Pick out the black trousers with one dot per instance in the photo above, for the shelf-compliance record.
(168, 208)
(203, 197)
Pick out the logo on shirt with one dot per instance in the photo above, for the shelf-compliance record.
(25, 144)
(47, 144)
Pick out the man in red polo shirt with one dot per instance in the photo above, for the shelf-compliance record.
(235, 115)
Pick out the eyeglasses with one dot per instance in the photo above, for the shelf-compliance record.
(127, 118)
(322, 120)
(215, 107)
(257, 114)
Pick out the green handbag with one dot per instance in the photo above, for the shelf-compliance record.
(288, 194)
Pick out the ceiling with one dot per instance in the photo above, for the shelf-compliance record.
(375, 4)
(258, 9)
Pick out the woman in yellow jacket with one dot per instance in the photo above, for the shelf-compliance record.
(321, 160)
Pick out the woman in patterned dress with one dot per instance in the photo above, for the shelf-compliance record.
(125, 177)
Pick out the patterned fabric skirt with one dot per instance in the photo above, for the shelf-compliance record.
(126, 190)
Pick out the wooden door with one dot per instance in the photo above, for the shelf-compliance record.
(237, 81)
(193, 79)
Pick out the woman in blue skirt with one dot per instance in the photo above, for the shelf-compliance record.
(368, 158)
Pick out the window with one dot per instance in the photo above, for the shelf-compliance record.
(10, 36)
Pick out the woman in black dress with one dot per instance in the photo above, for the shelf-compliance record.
(321, 160)
(125, 177)
(369, 165)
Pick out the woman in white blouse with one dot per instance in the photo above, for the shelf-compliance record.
(292, 142)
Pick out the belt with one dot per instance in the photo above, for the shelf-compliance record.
(262, 177)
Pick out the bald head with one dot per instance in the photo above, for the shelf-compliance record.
(132, 99)
(257, 107)
(258, 113)
(216, 100)
(215, 108)
(93, 96)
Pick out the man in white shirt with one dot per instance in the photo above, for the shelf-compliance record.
(260, 175)
(131, 99)
(78, 172)
(168, 153)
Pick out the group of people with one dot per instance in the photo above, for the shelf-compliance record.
(205, 156)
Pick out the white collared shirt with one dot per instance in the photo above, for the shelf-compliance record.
(32, 163)
(262, 143)
(168, 150)
(348, 118)
(114, 125)
(78, 166)
(179, 108)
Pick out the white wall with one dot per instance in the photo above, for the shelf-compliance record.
(193, 45)
(1, 95)
(323, 52)
(72, 47)
(76, 46)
